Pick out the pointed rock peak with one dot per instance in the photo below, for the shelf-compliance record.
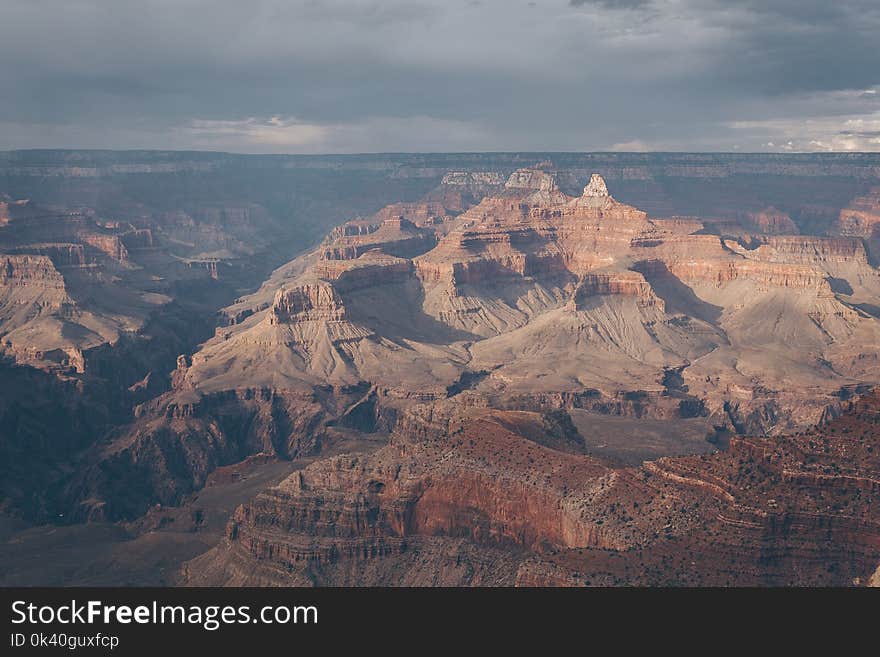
(596, 188)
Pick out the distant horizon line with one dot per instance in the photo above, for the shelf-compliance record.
(412, 153)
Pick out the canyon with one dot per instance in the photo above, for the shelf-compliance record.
(444, 370)
(504, 498)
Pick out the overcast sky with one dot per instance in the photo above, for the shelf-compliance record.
(337, 76)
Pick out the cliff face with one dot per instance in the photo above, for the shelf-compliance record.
(772, 222)
(629, 283)
(111, 245)
(718, 273)
(307, 302)
(36, 271)
(33, 300)
(775, 511)
(395, 235)
(861, 218)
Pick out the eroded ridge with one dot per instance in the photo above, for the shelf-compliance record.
(508, 497)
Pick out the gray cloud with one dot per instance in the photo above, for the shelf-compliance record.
(368, 75)
(611, 4)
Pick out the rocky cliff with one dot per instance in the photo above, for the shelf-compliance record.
(861, 218)
(772, 222)
(797, 510)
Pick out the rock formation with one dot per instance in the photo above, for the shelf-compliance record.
(481, 497)
(524, 379)
(862, 219)
(772, 222)
(596, 188)
(862, 216)
(533, 299)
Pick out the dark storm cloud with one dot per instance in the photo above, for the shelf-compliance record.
(353, 75)
(786, 46)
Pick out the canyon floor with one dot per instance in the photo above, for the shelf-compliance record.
(439, 370)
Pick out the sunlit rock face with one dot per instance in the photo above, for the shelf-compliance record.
(514, 370)
(596, 188)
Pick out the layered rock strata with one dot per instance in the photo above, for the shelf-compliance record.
(537, 300)
(450, 492)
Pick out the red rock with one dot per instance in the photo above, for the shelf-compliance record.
(775, 511)
(772, 222)
(862, 217)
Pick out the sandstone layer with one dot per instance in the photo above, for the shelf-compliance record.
(484, 497)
